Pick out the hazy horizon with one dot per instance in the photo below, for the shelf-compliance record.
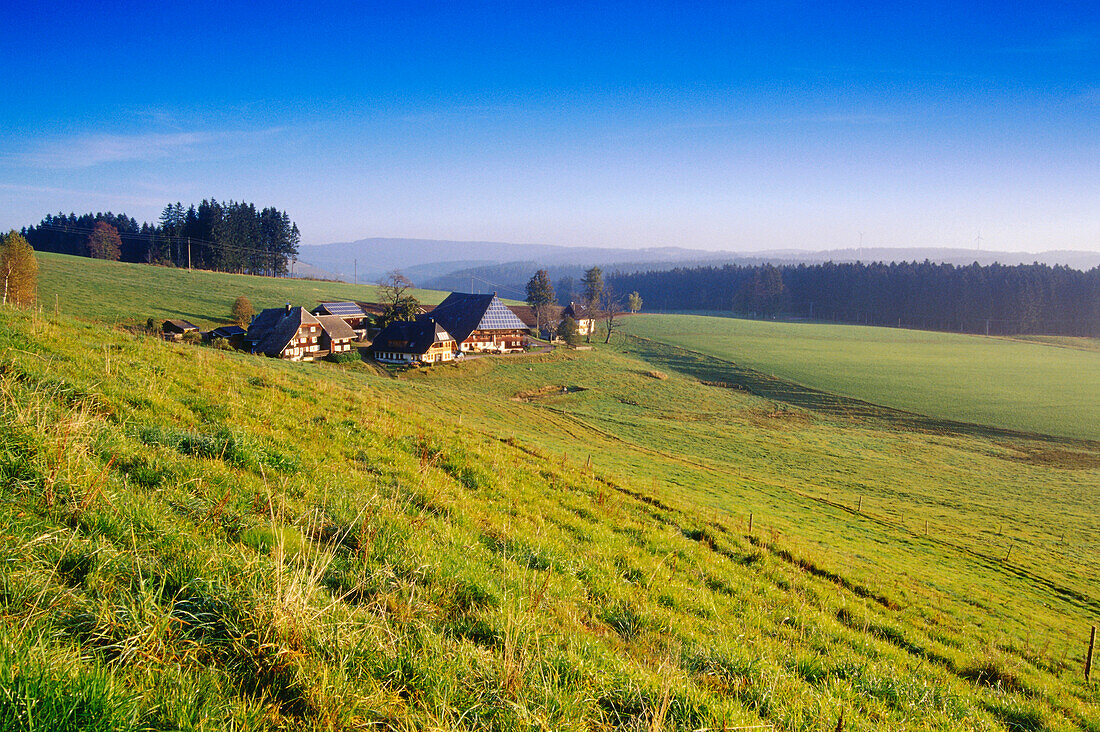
(719, 126)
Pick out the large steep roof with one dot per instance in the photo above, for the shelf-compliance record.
(272, 330)
(462, 313)
(410, 336)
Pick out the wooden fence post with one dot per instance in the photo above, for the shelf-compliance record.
(860, 509)
(1088, 658)
(750, 524)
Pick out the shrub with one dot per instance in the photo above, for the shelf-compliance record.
(345, 357)
(192, 337)
(242, 311)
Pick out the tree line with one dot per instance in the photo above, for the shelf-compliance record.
(994, 299)
(227, 236)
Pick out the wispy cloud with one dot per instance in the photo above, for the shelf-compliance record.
(112, 198)
(89, 150)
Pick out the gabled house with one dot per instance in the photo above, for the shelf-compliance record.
(350, 312)
(233, 334)
(586, 318)
(480, 323)
(337, 335)
(174, 330)
(423, 340)
(290, 333)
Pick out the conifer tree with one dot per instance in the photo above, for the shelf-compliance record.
(540, 296)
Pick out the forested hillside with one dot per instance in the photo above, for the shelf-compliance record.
(224, 236)
(992, 299)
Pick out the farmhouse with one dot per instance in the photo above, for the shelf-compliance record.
(174, 330)
(480, 323)
(337, 335)
(423, 340)
(350, 312)
(585, 317)
(290, 333)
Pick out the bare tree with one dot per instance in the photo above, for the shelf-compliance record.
(393, 289)
(612, 310)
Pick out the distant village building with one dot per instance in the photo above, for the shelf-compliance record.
(337, 335)
(233, 334)
(174, 330)
(423, 340)
(586, 318)
(289, 332)
(480, 323)
(350, 312)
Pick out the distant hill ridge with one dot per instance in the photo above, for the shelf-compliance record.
(447, 264)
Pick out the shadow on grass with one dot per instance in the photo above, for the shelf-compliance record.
(718, 372)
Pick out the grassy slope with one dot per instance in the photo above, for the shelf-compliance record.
(316, 546)
(321, 547)
(1017, 385)
(130, 293)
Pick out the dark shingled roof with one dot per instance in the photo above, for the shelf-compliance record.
(577, 311)
(336, 327)
(180, 325)
(273, 329)
(343, 309)
(410, 336)
(462, 313)
(228, 331)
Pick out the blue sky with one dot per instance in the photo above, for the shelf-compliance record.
(720, 126)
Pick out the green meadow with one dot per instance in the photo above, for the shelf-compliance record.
(1050, 386)
(117, 292)
(638, 537)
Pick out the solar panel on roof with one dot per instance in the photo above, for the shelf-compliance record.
(499, 317)
(343, 309)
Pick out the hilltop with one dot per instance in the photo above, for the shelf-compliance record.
(199, 539)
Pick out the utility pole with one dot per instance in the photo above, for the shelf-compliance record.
(188, 254)
(355, 272)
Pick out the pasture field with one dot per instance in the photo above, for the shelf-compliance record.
(118, 292)
(1032, 386)
(199, 539)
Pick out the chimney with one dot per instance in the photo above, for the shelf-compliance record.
(288, 308)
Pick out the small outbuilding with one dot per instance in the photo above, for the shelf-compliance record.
(174, 330)
(232, 334)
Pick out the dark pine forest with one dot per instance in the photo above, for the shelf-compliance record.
(994, 299)
(227, 237)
